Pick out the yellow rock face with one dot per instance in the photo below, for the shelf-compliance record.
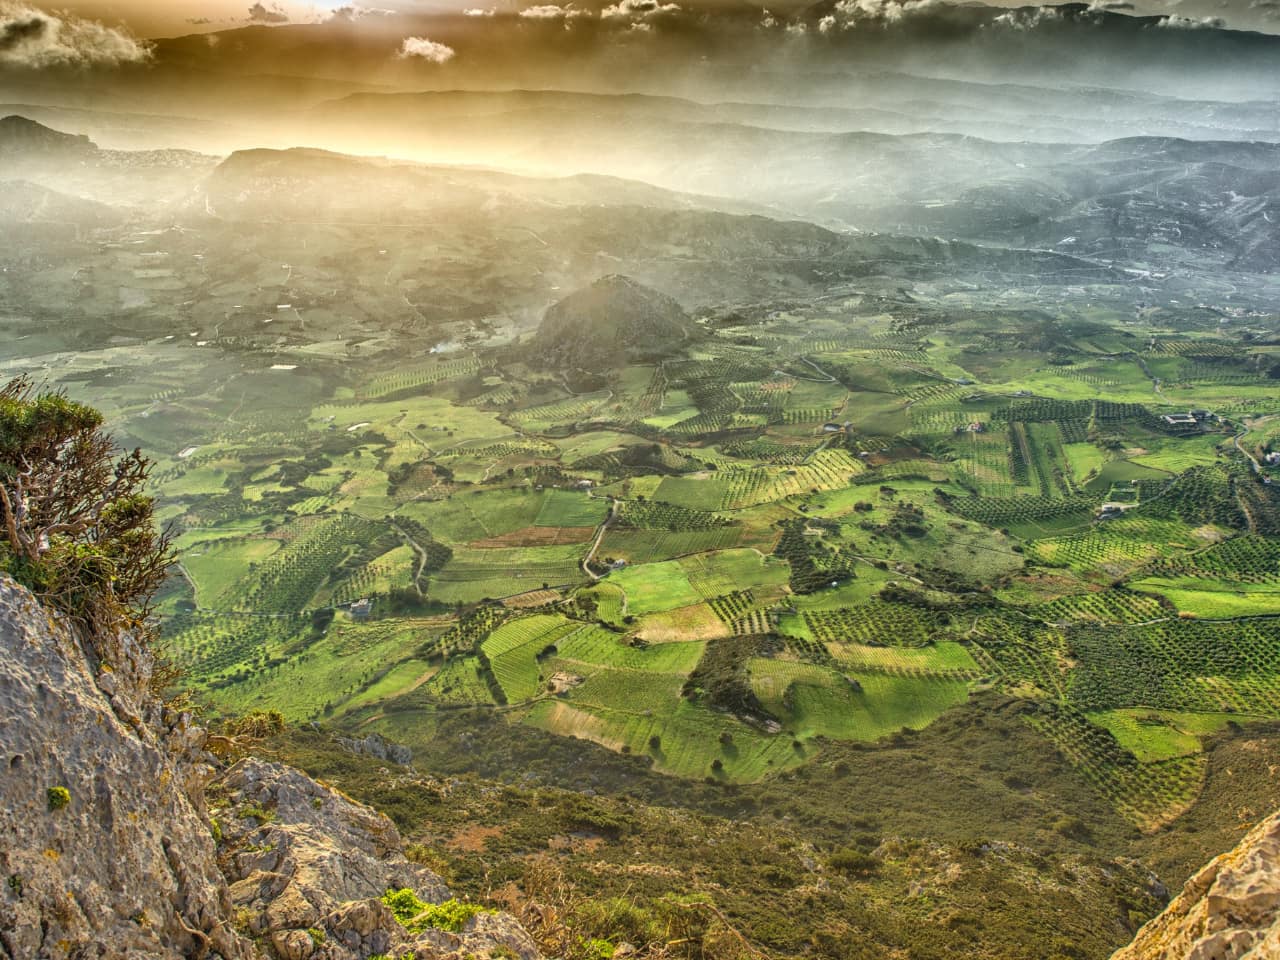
(1230, 910)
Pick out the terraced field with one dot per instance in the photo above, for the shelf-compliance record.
(721, 562)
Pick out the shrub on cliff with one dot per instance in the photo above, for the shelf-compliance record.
(416, 916)
(75, 524)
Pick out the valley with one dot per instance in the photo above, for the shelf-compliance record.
(861, 516)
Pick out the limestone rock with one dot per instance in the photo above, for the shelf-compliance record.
(107, 848)
(1230, 910)
(310, 865)
(126, 868)
(379, 748)
(278, 822)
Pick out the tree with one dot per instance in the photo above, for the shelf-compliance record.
(78, 528)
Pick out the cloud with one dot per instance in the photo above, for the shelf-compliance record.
(354, 11)
(638, 10)
(1110, 6)
(20, 31)
(480, 12)
(259, 13)
(30, 37)
(550, 11)
(421, 48)
(849, 14)
(1269, 9)
(1191, 23)
(1028, 19)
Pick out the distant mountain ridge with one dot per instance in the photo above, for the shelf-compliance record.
(22, 137)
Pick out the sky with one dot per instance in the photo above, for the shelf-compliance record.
(683, 47)
(164, 18)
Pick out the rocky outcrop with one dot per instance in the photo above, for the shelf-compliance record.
(378, 748)
(308, 867)
(1230, 910)
(119, 839)
(103, 852)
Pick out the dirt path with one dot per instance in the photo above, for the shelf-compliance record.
(595, 544)
(418, 551)
(1244, 430)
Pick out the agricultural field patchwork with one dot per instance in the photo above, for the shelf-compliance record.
(807, 527)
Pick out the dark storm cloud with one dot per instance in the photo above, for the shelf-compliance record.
(17, 32)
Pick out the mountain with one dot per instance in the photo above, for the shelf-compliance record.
(302, 183)
(1162, 203)
(25, 140)
(1230, 908)
(892, 103)
(122, 130)
(74, 166)
(611, 322)
(125, 836)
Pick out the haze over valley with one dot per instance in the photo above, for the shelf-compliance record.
(725, 482)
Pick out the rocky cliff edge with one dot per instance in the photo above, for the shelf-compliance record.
(120, 836)
(1230, 910)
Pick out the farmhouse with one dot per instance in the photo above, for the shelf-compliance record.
(361, 609)
(1179, 419)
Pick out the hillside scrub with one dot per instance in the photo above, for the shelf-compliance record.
(78, 529)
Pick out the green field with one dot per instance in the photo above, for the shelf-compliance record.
(881, 518)
(856, 705)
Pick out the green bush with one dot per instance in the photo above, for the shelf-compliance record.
(256, 725)
(76, 525)
(854, 863)
(415, 915)
(259, 813)
(58, 797)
